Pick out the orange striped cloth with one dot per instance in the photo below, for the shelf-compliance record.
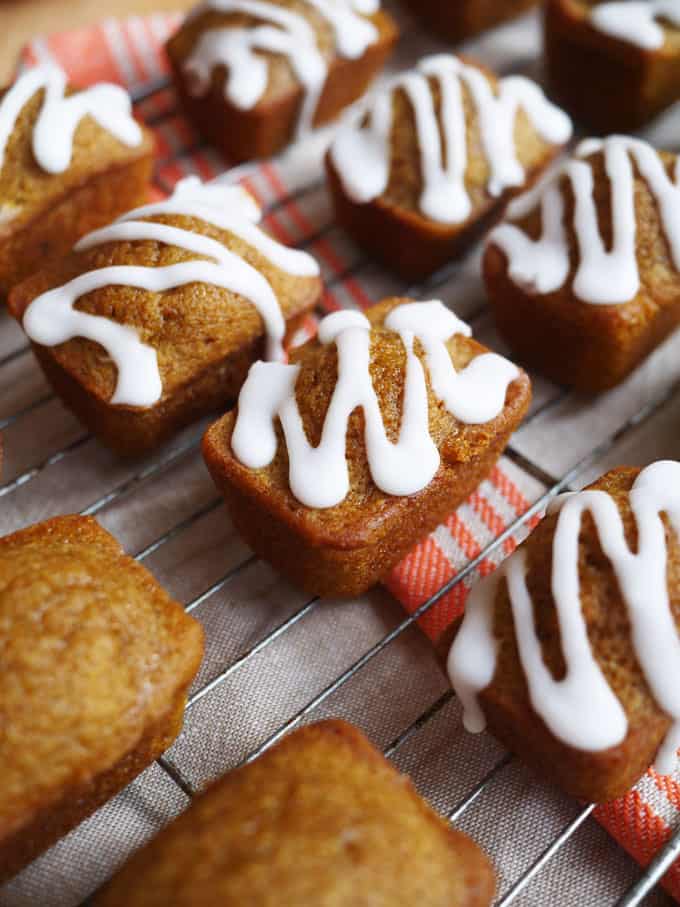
(131, 53)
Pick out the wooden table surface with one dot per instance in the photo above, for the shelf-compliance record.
(21, 19)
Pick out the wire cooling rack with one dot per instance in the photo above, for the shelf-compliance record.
(167, 511)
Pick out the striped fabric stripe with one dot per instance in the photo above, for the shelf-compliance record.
(131, 52)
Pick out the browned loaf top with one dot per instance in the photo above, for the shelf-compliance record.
(321, 819)
(192, 327)
(598, 776)
(405, 184)
(659, 279)
(460, 20)
(94, 653)
(25, 188)
(578, 13)
(367, 511)
(282, 79)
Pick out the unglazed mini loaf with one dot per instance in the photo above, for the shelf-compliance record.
(430, 166)
(70, 161)
(631, 52)
(253, 76)
(96, 662)
(584, 277)
(320, 820)
(464, 18)
(571, 651)
(155, 320)
(337, 516)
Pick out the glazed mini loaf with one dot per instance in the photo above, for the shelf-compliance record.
(631, 52)
(256, 74)
(320, 819)
(70, 161)
(465, 18)
(155, 320)
(97, 660)
(416, 207)
(570, 651)
(335, 517)
(584, 277)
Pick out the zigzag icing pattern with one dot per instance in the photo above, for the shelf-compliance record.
(51, 318)
(280, 31)
(581, 709)
(444, 197)
(319, 475)
(603, 276)
(60, 115)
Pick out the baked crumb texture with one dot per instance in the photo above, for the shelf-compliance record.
(54, 188)
(205, 291)
(320, 819)
(343, 540)
(633, 57)
(465, 18)
(253, 80)
(418, 191)
(584, 306)
(583, 701)
(97, 660)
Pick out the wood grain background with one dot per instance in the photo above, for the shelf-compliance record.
(21, 19)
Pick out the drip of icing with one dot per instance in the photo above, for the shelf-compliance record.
(226, 207)
(281, 31)
(319, 475)
(365, 136)
(59, 116)
(51, 318)
(581, 709)
(637, 23)
(602, 277)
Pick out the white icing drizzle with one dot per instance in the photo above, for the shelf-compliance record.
(319, 475)
(581, 709)
(281, 31)
(602, 277)
(444, 197)
(51, 318)
(59, 116)
(636, 22)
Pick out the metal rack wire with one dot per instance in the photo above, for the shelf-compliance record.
(553, 485)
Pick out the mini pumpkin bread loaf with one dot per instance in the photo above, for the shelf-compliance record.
(336, 465)
(465, 18)
(630, 51)
(155, 320)
(584, 278)
(571, 650)
(441, 151)
(255, 74)
(96, 662)
(70, 161)
(320, 819)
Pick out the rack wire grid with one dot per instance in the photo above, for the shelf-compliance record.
(268, 682)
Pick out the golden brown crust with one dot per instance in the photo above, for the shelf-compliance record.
(392, 227)
(42, 214)
(322, 818)
(465, 18)
(343, 550)
(98, 660)
(270, 125)
(594, 777)
(633, 84)
(590, 347)
(206, 337)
